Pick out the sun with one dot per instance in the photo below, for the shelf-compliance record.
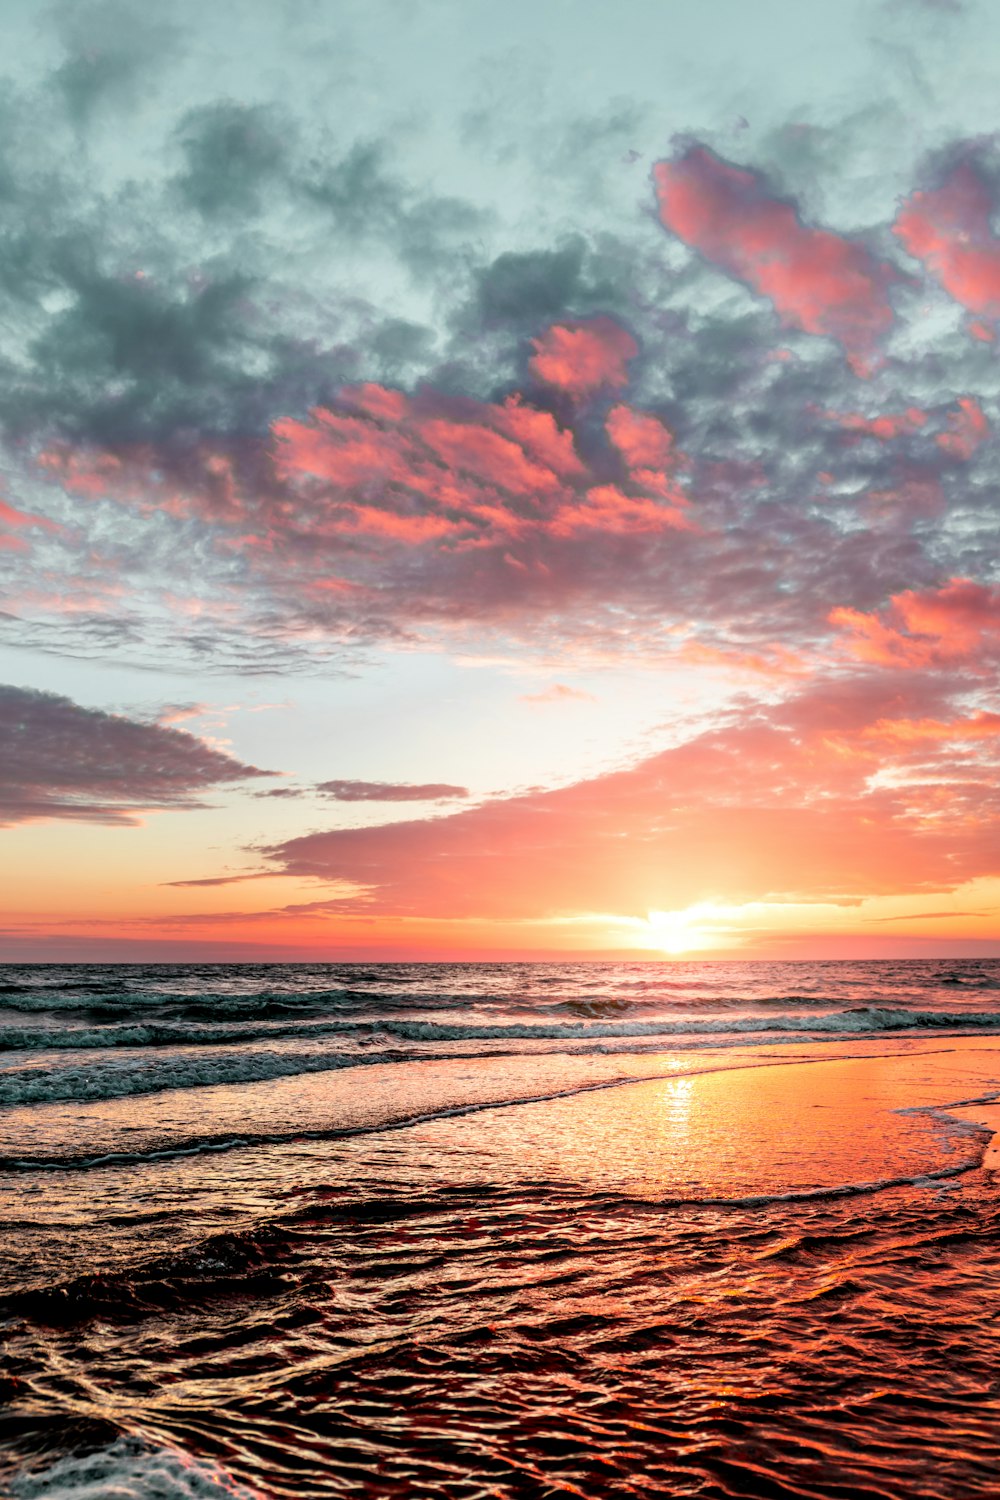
(673, 931)
(692, 929)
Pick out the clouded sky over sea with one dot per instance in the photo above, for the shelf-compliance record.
(487, 480)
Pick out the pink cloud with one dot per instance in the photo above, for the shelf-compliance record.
(11, 517)
(383, 509)
(487, 456)
(770, 806)
(21, 520)
(957, 623)
(606, 509)
(818, 281)
(582, 357)
(886, 427)
(967, 429)
(643, 441)
(980, 726)
(949, 229)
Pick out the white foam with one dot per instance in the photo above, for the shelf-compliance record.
(130, 1470)
(28, 1079)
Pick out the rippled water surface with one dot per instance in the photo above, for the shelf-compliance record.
(484, 1230)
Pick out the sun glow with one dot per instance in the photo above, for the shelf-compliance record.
(684, 931)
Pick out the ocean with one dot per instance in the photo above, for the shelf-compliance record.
(500, 1230)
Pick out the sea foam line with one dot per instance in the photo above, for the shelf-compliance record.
(197, 1146)
(123, 1078)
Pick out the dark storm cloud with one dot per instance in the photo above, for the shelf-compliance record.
(356, 191)
(61, 760)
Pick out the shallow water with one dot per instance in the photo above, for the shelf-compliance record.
(746, 1261)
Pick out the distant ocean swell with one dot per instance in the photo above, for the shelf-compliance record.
(859, 1020)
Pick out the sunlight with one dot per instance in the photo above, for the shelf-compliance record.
(683, 931)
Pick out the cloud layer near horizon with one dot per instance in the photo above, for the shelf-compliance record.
(847, 789)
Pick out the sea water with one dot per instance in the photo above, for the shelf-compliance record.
(500, 1229)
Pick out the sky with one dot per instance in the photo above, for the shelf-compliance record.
(499, 482)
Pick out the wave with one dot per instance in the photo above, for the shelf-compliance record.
(54, 1085)
(99, 1000)
(859, 1019)
(258, 992)
(235, 1262)
(379, 1042)
(197, 1145)
(158, 1034)
(130, 1469)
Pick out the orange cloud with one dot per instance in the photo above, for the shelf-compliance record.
(558, 692)
(981, 726)
(818, 281)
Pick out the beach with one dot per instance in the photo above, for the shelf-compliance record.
(641, 1229)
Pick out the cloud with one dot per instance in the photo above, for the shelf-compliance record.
(818, 281)
(931, 916)
(558, 692)
(779, 802)
(61, 760)
(232, 154)
(582, 358)
(284, 404)
(949, 228)
(112, 50)
(177, 713)
(967, 430)
(958, 623)
(532, 287)
(390, 791)
(980, 726)
(476, 505)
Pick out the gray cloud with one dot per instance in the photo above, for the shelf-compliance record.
(390, 791)
(61, 760)
(259, 263)
(233, 154)
(111, 49)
